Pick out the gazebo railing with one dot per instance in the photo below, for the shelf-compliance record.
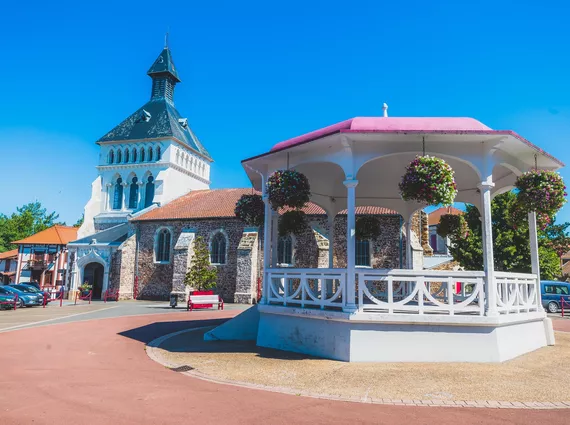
(516, 292)
(402, 291)
(421, 291)
(307, 287)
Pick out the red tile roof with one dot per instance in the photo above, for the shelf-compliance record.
(55, 235)
(220, 203)
(435, 216)
(8, 254)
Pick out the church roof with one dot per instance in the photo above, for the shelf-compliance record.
(221, 203)
(158, 118)
(164, 65)
(55, 235)
(163, 123)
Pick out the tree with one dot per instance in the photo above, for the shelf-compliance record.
(202, 275)
(26, 221)
(511, 247)
(80, 221)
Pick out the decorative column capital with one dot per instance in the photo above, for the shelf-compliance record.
(350, 183)
(109, 184)
(485, 186)
(124, 184)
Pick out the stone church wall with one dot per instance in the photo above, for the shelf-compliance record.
(237, 279)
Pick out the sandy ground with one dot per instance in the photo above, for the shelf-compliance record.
(541, 376)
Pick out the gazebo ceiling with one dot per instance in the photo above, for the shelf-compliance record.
(375, 151)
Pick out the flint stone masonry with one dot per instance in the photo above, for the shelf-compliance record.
(237, 278)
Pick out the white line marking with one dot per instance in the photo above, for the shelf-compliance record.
(55, 318)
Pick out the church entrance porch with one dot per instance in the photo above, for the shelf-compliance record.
(93, 274)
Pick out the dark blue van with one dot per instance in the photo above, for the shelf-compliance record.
(552, 292)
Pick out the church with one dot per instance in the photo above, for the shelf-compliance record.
(152, 198)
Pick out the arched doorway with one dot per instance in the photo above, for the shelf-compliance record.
(93, 273)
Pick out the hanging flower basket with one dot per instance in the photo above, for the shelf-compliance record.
(250, 209)
(292, 222)
(288, 188)
(452, 225)
(517, 217)
(367, 227)
(429, 180)
(541, 191)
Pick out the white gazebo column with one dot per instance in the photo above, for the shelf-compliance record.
(350, 305)
(488, 258)
(534, 260)
(266, 246)
(330, 223)
(274, 237)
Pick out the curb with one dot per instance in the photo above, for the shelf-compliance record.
(153, 353)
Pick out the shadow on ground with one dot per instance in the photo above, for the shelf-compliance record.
(152, 331)
(193, 342)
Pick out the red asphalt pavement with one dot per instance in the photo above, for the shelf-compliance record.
(97, 372)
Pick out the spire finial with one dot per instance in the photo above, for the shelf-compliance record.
(166, 38)
(385, 109)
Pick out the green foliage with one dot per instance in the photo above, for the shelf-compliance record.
(26, 221)
(292, 222)
(511, 247)
(288, 188)
(428, 180)
(202, 275)
(452, 224)
(250, 209)
(367, 227)
(80, 221)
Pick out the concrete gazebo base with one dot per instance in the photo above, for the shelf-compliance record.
(365, 337)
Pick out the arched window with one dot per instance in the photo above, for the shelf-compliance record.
(142, 154)
(362, 252)
(134, 193)
(119, 156)
(150, 154)
(149, 192)
(118, 196)
(111, 156)
(126, 156)
(218, 249)
(285, 250)
(134, 155)
(162, 251)
(158, 152)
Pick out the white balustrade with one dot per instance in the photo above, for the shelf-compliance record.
(420, 291)
(311, 287)
(402, 291)
(516, 292)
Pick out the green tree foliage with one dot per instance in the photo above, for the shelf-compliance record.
(202, 275)
(26, 221)
(511, 247)
(79, 222)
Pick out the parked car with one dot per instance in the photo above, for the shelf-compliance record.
(24, 298)
(30, 289)
(552, 292)
(5, 298)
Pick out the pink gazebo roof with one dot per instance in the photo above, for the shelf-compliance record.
(388, 124)
(441, 125)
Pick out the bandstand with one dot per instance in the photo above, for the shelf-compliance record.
(400, 315)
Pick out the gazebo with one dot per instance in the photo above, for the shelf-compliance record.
(365, 314)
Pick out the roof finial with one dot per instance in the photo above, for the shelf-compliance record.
(166, 38)
(385, 109)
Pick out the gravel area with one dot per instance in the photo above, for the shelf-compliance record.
(541, 376)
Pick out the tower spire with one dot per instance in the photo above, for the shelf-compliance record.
(164, 75)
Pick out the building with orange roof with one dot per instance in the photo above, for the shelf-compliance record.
(437, 243)
(8, 264)
(42, 257)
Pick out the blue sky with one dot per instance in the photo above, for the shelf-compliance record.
(256, 73)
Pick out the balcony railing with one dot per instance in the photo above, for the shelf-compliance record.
(397, 291)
